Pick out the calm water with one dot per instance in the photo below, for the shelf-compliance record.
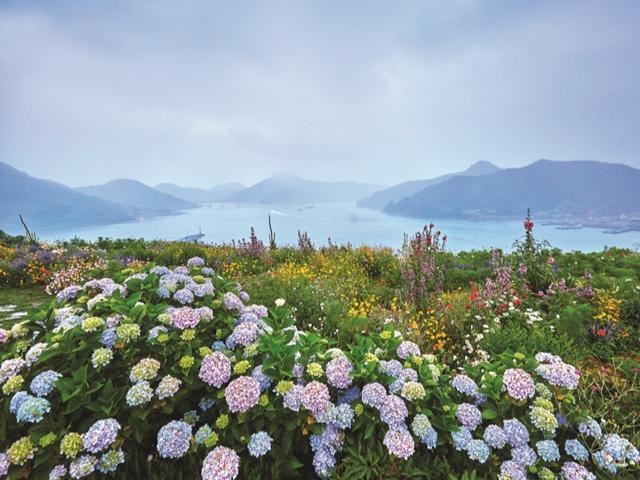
(343, 222)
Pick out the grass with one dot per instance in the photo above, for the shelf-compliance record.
(24, 298)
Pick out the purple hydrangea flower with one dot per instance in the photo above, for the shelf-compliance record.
(511, 470)
(518, 384)
(407, 349)
(184, 317)
(517, 434)
(338, 372)
(232, 302)
(495, 437)
(393, 411)
(100, 435)
(221, 463)
(315, 397)
(293, 398)
(575, 471)
(399, 443)
(174, 439)
(465, 384)
(469, 416)
(242, 394)
(374, 395)
(245, 333)
(215, 369)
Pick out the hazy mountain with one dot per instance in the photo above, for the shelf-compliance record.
(379, 199)
(47, 204)
(200, 195)
(136, 194)
(570, 189)
(290, 189)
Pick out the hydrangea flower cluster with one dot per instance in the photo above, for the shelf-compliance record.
(100, 435)
(518, 384)
(174, 439)
(259, 444)
(215, 369)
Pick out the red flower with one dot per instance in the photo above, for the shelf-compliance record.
(601, 332)
(474, 294)
(517, 302)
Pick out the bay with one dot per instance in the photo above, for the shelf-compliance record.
(343, 223)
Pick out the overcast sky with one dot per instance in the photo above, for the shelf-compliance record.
(199, 93)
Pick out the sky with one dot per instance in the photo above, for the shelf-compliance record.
(200, 93)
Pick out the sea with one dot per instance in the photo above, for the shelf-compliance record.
(342, 223)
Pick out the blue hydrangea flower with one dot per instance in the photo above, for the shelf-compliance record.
(524, 455)
(548, 450)
(461, 439)
(108, 337)
(343, 415)
(478, 450)
(33, 409)
(261, 378)
(576, 450)
(430, 439)
(517, 434)
(43, 383)
(495, 437)
(259, 444)
(174, 439)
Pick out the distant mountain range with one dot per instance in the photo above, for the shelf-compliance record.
(138, 195)
(290, 189)
(216, 193)
(47, 204)
(568, 193)
(379, 199)
(572, 190)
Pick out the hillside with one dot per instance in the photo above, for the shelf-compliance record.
(136, 194)
(201, 195)
(577, 189)
(47, 204)
(379, 199)
(290, 189)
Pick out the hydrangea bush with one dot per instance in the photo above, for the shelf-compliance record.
(175, 365)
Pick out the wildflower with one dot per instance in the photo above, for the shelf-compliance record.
(221, 463)
(548, 450)
(100, 435)
(83, 466)
(469, 416)
(174, 439)
(242, 394)
(71, 445)
(338, 372)
(399, 443)
(259, 444)
(20, 451)
(167, 387)
(518, 384)
(110, 460)
(215, 369)
(315, 396)
(139, 394)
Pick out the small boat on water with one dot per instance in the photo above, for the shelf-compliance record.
(192, 238)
